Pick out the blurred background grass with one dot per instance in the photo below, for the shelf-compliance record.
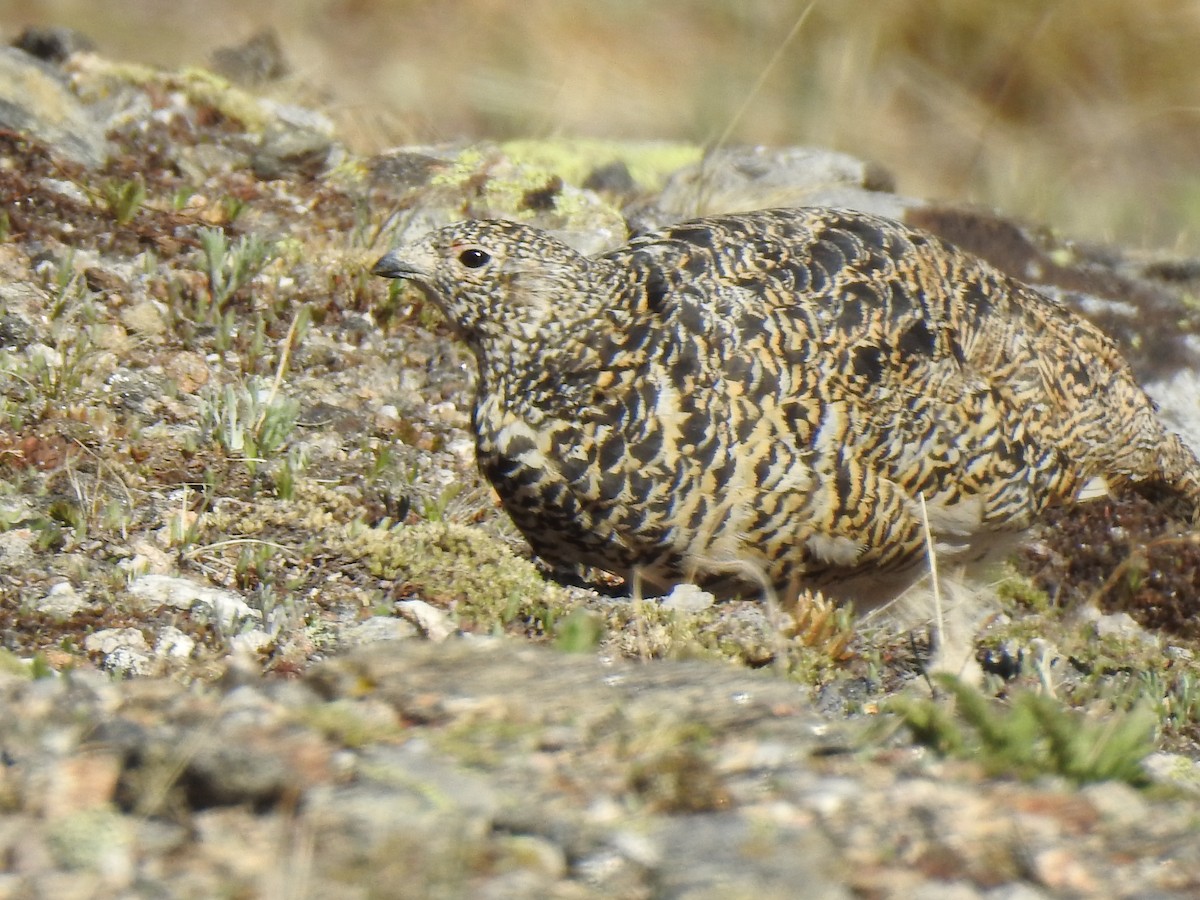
(1082, 114)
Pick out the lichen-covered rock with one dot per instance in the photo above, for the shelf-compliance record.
(35, 100)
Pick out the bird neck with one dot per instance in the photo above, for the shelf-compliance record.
(561, 371)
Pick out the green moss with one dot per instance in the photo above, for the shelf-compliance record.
(203, 87)
(487, 586)
(446, 562)
(579, 632)
(648, 630)
(495, 183)
(1020, 590)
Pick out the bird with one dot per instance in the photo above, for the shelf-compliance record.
(780, 401)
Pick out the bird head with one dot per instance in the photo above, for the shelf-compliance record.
(496, 281)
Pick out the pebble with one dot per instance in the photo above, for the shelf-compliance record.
(434, 623)
(126, 662)
(254, 641)
(688, 598)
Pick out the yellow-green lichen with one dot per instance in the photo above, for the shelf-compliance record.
(96, 78)
(494, 183)
(573, 159)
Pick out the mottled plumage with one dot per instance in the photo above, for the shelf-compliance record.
(765, 398)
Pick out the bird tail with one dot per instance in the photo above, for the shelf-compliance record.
(1181, 473)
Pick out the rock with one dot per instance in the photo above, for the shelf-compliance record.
(53, 43)
(433, 622)
(1176, 397)
(16, 547)
(46, 355)
(295, 140)
(173, 644)
(742, 179)
(704, 857)
(82, 782)
(1120, 625)
(225, 608)
(485, 181)
(35, 101)
(145, 317)
(1121, 805)
(62, 601)
(1171, 768)
(688, 598)
(146, 556)
(124, 651)
(379, 628)
(189, 370)
(99, 840)
(253, 641)
(15, 332)
(67, 189)
(257, 61)
(108, 640)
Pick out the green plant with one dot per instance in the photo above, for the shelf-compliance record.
(284, 475)
(580, 631)
(230, 267)
(252, 567)
(123, 199)
(433, 509)
(250, 420)
(56, 368)
(1032, 735)
(231, 208)
(66, 288)
(60, 374)
(181, 196)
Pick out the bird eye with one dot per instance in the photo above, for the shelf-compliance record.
(473, 258)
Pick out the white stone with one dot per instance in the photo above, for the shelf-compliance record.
(433, 622)
(225, 608)
(688, 598)
(127, 663)
(174, 644)
(253, 642)
(108, 640)
(62, 601)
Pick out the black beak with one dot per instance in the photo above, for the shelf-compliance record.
(390, 266)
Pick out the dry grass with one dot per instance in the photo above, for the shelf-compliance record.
(1079, 113)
